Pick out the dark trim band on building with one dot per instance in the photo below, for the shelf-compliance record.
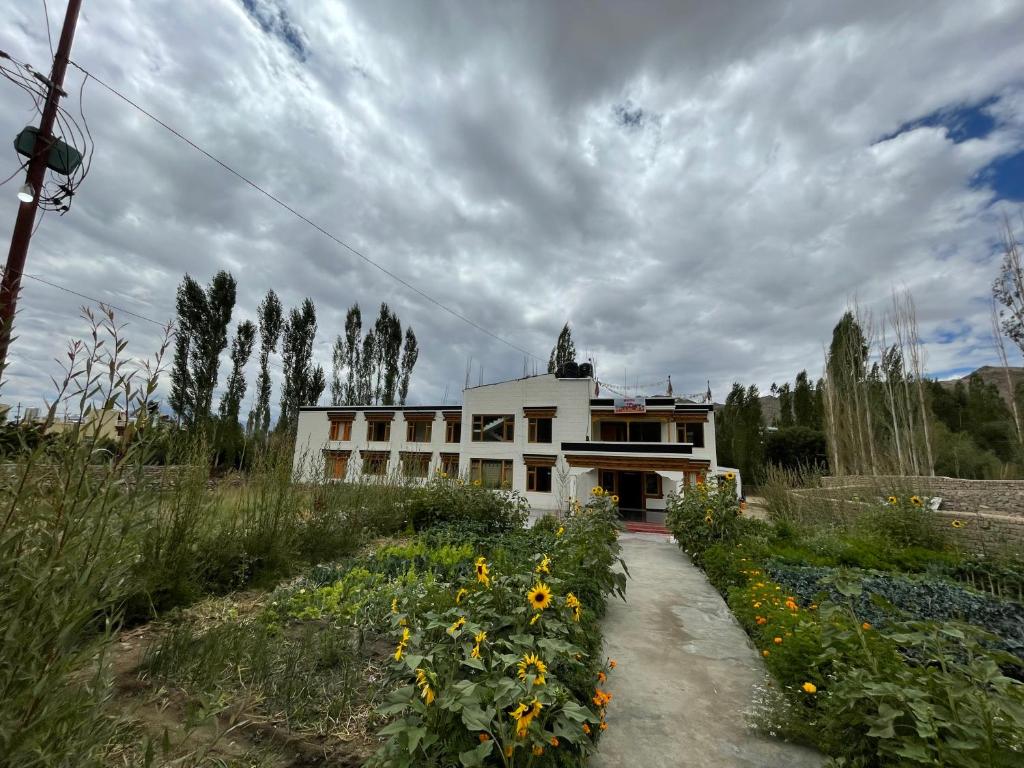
(638, 463)
(597, 446)
(545, 412)
(380, 416)
(539, 460)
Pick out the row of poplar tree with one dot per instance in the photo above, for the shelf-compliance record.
(371, 368)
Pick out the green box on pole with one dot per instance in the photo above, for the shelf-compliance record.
(63, 157)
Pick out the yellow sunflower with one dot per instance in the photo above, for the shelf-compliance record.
(531, 664)
(482, 571)
(424, 685)
(615, 499)
(544, 566)
(730, 475)
(892, 501)
(597, 490)
(460, 594)
(958, 523)
(539, 596)
(916, 501)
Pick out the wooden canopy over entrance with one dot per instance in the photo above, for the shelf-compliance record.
(639, 463)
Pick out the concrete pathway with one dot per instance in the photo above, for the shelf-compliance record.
(686, 672)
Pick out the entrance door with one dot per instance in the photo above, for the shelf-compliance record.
(631, 495)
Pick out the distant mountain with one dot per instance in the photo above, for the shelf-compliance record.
(992, 374)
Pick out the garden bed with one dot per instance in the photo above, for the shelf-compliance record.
(881, 651)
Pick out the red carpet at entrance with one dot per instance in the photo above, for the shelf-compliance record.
(637, 527)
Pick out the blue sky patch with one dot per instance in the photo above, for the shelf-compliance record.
(274, 20)
(962, 123)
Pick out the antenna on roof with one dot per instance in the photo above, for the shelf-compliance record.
(481, 374)
(469, 368)
(444, 397)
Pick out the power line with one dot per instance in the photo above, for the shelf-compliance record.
(305, 218)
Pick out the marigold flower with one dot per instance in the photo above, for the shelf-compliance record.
(484, 737)
(761, 620)
(865, 626)
(538, 750)
(554, 741)
(777, 640)
(586, 729)
(540, 596)
(765, 653)
(604, 726)
(612, 663)
(809, 688)
(602, 677)
(508, 750)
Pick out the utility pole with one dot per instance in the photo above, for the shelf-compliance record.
(23, 226)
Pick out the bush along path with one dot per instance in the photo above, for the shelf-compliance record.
(875, 668)
(687, 673)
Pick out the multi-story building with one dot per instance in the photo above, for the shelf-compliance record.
(545, 436)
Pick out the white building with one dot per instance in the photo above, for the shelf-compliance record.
(545, 436)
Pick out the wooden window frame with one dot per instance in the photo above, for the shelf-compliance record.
(450, 464)
(341, 430)
(683, 426)
(410, 430)
(533, 427)
(476, 473)
(610, 487)
(453, 431)
(421, 458)
(382, 459)
(508, 427)
(660, 493)
(533, 473)
(373, 424)
(331, 460)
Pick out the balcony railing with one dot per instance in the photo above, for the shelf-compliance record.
(610, 447)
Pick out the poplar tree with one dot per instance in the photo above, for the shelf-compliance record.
(270, 319)
(303, 382)
(803, 402)
(353, 353)
(410, 353)
(241, 351)
(202, 335)
(564, 350)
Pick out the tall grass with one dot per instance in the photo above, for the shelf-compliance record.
(93, 534)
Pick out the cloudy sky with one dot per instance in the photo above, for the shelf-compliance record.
(697, 188)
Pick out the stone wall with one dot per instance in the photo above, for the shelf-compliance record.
(976, 515)
(1001, 497)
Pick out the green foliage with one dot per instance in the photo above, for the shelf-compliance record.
(483, 674)
(564, 350)
(445, 499)
(797, 448)
(738, 431)
(704, 515)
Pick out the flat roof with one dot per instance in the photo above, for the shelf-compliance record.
(457, 407)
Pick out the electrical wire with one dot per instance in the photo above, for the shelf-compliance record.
(306, 219)
(49, 37)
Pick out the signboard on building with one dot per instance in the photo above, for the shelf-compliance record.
(630, 405)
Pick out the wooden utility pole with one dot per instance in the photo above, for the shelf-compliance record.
(25, 223)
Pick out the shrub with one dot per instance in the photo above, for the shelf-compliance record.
(704, 515)
(445, 499)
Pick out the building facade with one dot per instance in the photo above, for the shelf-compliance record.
(545, 436)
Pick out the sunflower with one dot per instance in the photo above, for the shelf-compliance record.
(531, 664)
(482, 571)
(544, 566)
(402, 644)
(597, 490)
(958, 523)
(916, 501)
(573, 603)
(539, 596)
(730, 475)
(424, 685)
(457, 625)
(615, 499)
(560, 531)
(892, 501)
(709, 519)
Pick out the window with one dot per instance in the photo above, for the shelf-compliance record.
(629, 431)
(453, 432)
(415, 464)
(418, 431)
(336, 464)
(492, 473)
(652, 485)
(691, 433)
(493, 429)
(375, 462)
(539, 430)
(450, 464)
(607, 480)
(538, 479)
(378, 431)
(341, 430)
